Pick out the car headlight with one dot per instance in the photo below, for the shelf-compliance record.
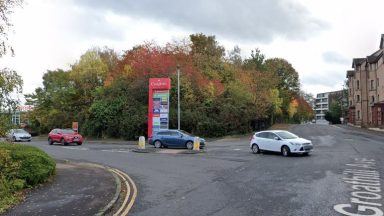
(295, 144)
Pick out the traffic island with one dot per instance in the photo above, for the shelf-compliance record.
(193, 151)
(147, 150)
(167, 151)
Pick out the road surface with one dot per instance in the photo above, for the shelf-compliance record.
(229, 180)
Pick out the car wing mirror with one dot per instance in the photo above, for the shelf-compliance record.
(277, 138)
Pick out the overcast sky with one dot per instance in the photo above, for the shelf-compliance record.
(319, 38)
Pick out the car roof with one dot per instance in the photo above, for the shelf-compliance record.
(273, 131)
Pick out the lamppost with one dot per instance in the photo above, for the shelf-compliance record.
(178, 96)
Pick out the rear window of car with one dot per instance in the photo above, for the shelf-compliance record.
(163, 133)
(174, 133)
(262, 135)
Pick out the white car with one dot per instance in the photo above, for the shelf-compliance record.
(19, 135)
(280, 141)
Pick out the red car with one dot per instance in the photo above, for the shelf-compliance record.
(64, 136)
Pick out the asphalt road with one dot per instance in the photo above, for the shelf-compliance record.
(229, 180)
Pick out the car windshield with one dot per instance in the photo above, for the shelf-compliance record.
(67, 131)
(286, 135)
(20, 131)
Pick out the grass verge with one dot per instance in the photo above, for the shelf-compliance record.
(21, 167)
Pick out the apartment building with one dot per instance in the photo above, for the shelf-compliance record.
(366, 89)
(321, 105)
(324, 100)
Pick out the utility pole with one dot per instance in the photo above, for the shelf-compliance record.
(178, 97)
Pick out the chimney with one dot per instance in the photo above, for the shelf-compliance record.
(382, 41)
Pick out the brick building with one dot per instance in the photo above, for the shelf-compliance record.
(366, 89)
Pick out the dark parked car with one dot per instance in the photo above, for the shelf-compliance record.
(174, 139)
(64, 136)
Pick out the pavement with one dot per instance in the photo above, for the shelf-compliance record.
(77, 189)
(229, 180)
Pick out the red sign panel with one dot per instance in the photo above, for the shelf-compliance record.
(158, 104)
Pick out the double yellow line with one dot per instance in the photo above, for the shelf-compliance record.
(130, 196)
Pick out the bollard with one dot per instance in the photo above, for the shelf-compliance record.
(196, 144)
(141, 142)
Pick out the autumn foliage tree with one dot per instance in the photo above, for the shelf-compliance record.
(108, 93)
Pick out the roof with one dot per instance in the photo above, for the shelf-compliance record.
(375, 56)
(350, 73)
(357, 61)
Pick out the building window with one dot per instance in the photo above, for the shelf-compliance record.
(377, 81)
(372, 85)
(358, 114)
(358, 98)
(373, 99)
(357, 84)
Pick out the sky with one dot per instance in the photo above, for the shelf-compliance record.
(319, 38)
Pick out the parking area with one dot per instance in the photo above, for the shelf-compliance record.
(227, 179)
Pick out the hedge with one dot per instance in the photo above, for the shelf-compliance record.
(21, 166)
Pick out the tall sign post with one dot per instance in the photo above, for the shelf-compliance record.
(158, 105)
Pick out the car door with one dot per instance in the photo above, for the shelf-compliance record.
(175, 139)
(166, 138)
(56, 136)
(268, 141)
(275, 142)
(261, 140)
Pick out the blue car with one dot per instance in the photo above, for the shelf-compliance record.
(174, 139)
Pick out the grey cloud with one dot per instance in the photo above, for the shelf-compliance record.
(92, 24)
(248, 20)
(327, 78)
(334, 57)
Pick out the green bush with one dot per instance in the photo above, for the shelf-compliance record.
(35, 166)
(21, 166)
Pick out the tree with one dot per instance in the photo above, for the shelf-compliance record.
(6, 8)
(287, 81)
(334, 113)
(256, 61)
(10, 82)
(234, 56)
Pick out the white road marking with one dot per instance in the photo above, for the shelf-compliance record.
(236, 149)
(365, 181)
(115, 150)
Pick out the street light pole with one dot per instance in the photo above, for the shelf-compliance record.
(178, 97)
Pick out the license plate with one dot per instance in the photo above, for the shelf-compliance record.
(75, 139)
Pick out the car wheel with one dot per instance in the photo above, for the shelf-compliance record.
(158, 144)
(79, 143)
(189, 145)
(50, 141)
(306, 154)
(13, 139)
(63, 142)
(255, 149)
(285, 151)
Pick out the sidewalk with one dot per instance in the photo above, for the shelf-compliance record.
(77, 189)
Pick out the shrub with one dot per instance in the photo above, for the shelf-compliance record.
(36, 166)
(21, 166)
